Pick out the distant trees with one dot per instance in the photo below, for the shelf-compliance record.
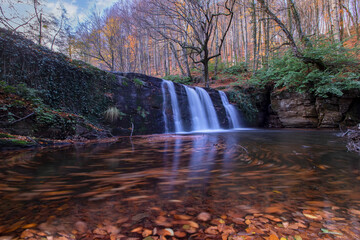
(171, 37)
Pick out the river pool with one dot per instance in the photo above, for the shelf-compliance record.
(253, 184)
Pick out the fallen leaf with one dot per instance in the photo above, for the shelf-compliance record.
(182, 217)
(180, 234)
(204, 216)
(330, 232)
(212, 230)
(170, 231)
(137, 230)
(146, 233)
(273, 237)
(31, 225)
(27, 234)
(193, 224)
(100, 231)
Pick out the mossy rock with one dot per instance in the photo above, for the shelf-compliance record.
(15, 143)
(5, 135)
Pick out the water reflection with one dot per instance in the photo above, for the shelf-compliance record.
(302, 178)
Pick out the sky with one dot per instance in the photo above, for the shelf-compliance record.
(77, 9)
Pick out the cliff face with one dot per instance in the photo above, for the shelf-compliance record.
(295, 110)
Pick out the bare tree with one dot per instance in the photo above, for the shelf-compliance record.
(10, 17)
(193, 21)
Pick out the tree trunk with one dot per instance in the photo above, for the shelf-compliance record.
(206, 72)
(267, 40)
(254, 34)
(177, 58)
(356, 20)
(289, 16)
(186, 61)
(306, 42)
(335, 13)
(217, 50)
(245, 37)
(40, 29)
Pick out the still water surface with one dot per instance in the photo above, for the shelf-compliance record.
(257, 183)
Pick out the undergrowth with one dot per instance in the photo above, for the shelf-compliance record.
(286, 71)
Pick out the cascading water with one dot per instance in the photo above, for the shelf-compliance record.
(174, 104)
(202, 112)
(206, 102)
(198, 116)
(231, 112)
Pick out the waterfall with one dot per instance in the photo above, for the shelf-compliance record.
(198, 113)
(197, 109)
(174, 105)
(209, 108)
(231, 111)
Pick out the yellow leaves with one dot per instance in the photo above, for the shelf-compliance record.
(193, 224)
(31, 225)
(137, 230)
(273, 237)
(312, 215)
(182, 217)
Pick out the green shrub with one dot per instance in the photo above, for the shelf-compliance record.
(245, 102)
(342, 73)
(221, 66)
(236, 69)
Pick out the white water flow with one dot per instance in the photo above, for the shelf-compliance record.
(200, 110)
(231, 111)
(198, 116)
(209, 108)
(174, 104)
